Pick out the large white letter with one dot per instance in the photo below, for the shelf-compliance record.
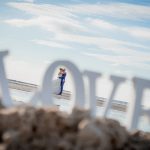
(92, 77)
(135, 108)
(46, 94)
(6, 99)
(116, 81)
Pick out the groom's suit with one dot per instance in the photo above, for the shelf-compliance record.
(62, 82)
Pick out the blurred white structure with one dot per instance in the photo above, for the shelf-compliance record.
(45, 92)
(6, 99)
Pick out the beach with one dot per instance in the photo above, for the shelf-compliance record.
(66, 95)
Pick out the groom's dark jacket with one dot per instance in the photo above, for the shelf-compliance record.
(63, 78)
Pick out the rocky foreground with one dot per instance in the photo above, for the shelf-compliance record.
(28, 128)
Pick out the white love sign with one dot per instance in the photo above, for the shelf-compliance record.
(6, 99)
(44, 94)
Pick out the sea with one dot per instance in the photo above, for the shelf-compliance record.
(144, 121)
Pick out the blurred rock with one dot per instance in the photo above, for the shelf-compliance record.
(102, 134)
(29, 128)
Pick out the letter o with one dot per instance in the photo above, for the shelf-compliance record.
(47, 85)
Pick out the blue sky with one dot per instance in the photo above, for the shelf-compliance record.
(107, 36)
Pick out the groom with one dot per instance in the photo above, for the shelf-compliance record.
(62, 78)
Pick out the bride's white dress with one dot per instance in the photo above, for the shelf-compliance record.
(56, 86)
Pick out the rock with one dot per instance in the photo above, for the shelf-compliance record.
(2, 147)
(91, 137)
(64, 145)
(9, 135)
(102, 134)
(139, 140)
(29, 128)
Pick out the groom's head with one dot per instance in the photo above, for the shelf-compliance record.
(62, 69)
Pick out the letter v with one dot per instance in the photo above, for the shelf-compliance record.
(116, 81)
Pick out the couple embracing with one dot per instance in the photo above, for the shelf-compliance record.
(61, 80)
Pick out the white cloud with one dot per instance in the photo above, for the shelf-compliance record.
(49, 17)
(51, 44)
(107, 44)
(137, 61)
(77, 1)
(134, 31)
(117, 10)
(101, 24)
(20, 22)
(53, 24)
(29, 1)
(43, 10)
(139, 32)
(67, 26)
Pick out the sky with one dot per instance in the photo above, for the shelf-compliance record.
(111, 37)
